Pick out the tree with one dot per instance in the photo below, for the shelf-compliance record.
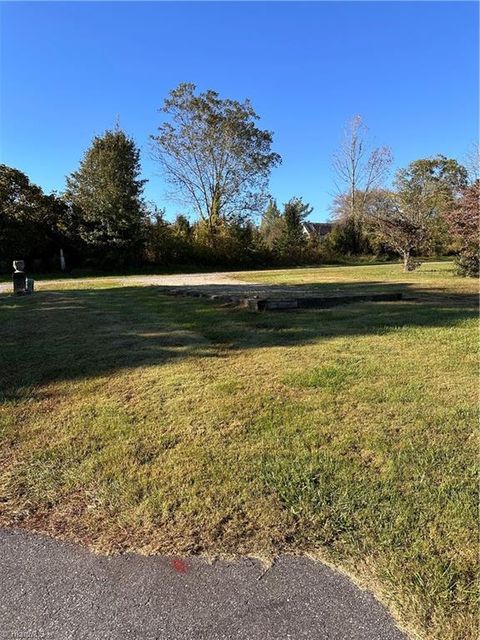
(108, 194)
(271, 225)
(21, 207)
(407, 219)
(33, 226)
(351, 234)
(472, 162)
(213, 155)
(159, 247)
(400, 229)
(358, 169)
(182, 227)
(183, 239)
(292, 241)
(463, 220)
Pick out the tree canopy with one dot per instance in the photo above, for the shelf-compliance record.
(107, 193)
(464, 223)
(213, 155)
(271, 224)
(425, 191)
(33, 225)
(292, 240)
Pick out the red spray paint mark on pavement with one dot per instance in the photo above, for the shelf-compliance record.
(180, 566)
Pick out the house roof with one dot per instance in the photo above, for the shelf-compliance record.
(318, 228)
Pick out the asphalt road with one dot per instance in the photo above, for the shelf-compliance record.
(53, 590)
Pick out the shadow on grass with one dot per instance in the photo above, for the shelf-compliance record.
(65, 335)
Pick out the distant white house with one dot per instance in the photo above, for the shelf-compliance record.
(317, 230)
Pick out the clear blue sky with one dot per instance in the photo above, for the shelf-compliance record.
(68, 70)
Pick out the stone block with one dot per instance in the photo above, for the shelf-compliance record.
(19, 282)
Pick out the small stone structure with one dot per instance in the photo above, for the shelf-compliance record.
(318, 302)
(273, 303)
(21, 284)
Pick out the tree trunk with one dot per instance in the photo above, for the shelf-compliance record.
(214, 220)
(63, 266)
(409, 264)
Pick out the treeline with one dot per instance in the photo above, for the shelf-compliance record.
(217, 163)
(120, 231)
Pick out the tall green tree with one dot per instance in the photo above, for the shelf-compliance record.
(107, 192)
(271, 225)
(292, 241)
(213, 155)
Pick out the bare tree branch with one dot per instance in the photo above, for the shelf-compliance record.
(358, 170)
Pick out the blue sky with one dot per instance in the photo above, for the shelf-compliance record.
(69, 70)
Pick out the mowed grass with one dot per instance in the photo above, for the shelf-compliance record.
(132, 421)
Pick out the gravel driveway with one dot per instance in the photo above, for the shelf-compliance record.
(221, 283)
(176, 280)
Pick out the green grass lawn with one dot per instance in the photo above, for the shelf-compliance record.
(135, 421)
